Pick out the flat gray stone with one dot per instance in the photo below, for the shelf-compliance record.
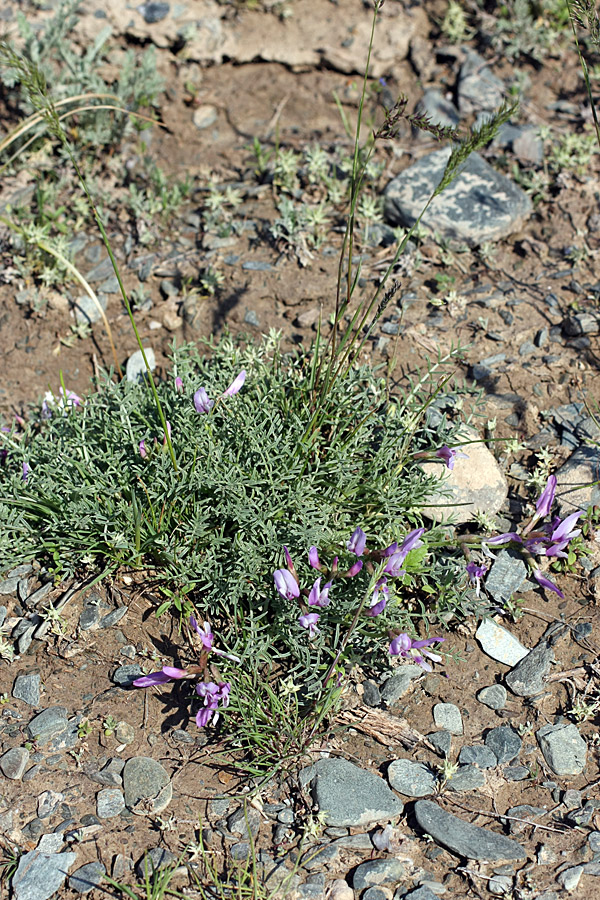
(154, 859)
(526, 679)
(563, 748)
(478, 755)
(349, 795)
(479, 90)
(463, 838)
(493, 696)
(48, 802)
(397, 685)
(506, 576)
(27, 688)
(87, 877)
(378, 871)
(442, 741)
(447, 716)
(438, 109)
(574, 481)
(14, 762)
(113, 617)
(498, 643)
(481, 205)
(47, 724)
(135, 369)
(414, 779)
(466, 778)
(237, 823)
(86, 311)
(42, 872)
(504, 742)
(109, 803)
(421, 893)
(124, 676)
(144, 779)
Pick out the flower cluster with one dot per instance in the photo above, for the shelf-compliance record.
(212, 693)
(65, 399)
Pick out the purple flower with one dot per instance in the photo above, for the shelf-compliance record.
(212, 694)
(405, 647)
(202, 401)
(448, 454)
(309, 621)
(313, 558)
(505, 538)
(168, 432)
(355, 569)
(546, 583)
(236, 385)
(318, 597)
(377, 605)
(205, 634)
(395, 561)
(562, 533)
(167, 673)
(26, 471)
(357, 542)
(546, 498)
(69, 398)
(143, 451)
(476, 571)
(389, 551)
(179, 385)
(288, 558)
(286, 584)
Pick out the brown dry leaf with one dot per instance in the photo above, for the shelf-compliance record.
(225, 777)
(384, 728)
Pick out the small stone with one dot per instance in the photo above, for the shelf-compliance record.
(47, 724)
(447, 715)
(493, 696)
(478, 755)
(479, 90)
(153, 860)
(463, 838)
(421, 893)
(526, 679)
(125, 733)
(240, 850)
(42, 872)
(251, 319)
(442, 741)
(466, 778)
(237, 823)
(377, 893)
(48, 803)
(371, 695)
(14, 762)
(545, 856)
(499, 884)
(205, 116)
(499, 643)
(506, 578)
(135, 367)
(414, 779)
(257, 265)
(569, 879)
(576, 488)
(87, 877)
(89, 619)
(27, 688)
(154, 12)
(317, 857)
(147, 785)
(113, 617)
(504, 742)
(178, 734)
(349, 795)
(286, 816)
(516, 773)
(126, 675)
(397, 685)
(378, 871)
(307, 318)
(122, 866)
(438, 109)
(563, 748)
(87, 311)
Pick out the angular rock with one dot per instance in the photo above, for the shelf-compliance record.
(378, 871)
(414, 779)
(475, 483)
(42, 872)
(504, 742)
(466, 778)
(493, 696)
(481, 205)
(397, 685)
(479, 90)
(135, 368)
(499, 643)
(442, 741)
(421, 893)
(47, 724)
(478, 755)
(563, 748)
(447, 716)
(506, 576)
(526, 679)
(14, 762)
(87, 877)
(237, 823)
(124, 676)
(463, 838)
(574, 481)
(154, 859)
(113, 617)
(349, 795)
(109, 803)
(438, 109)
(47, 803)
(146, 784)
(27, 688)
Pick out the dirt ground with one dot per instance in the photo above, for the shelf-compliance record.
(293, 104)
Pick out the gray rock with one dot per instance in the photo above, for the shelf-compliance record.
(442, 741)
(122, 867)
(241, 850)
(66, 739)
(438, 109)
(421, 893)
(109, 803)
(481, 205)
(377, 893)
(87, 311)
(378, 871)
(135, 368)
(500, 884)
(504, 742)
(581, 323)
(251, 319)
(144, 779)
(506, 576)
(414, 779)
(89, 619)
(113, 617)
(570, 878)
(27, 688)
(499, 643)
(574, 481)
(520, 817)
(100, 272)
(256, 265)
(447, 715)
(317, 857)
(463, 838)
(42, 872)
(526, 679)
(594, 841)
(245, 822)
(154, 11)
(563, 748)
(479, 90)
(349, 795)
(493, 696)
(371, 694)
(478, 755)
(466, 778)
(14, 762)
(528, 147)
(3, 614)
(48, 802)
(475, 483)
(126, 675)
(516, 773)
(125, 733)
(87, 877)
(397, 685)
(153, 860)
(47, 724)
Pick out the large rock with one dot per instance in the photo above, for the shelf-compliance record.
(563, 748)
(575, 488)
(146, 785)
(349, 795)
(42, 872)
(499, 643)
(480, 205)
(527, 678)
(463, 838)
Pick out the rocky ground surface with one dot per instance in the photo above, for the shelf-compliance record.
(479, 779)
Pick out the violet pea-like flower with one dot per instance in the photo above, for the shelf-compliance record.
(202, 402)
(505, 538)
(207, 638)
(313, 558)
(25, 471)
(179, 385)
(394, 564)
(143, 451)
(562, 533)
(448, 454)
(235, 385)
(309, 621)
(212, 694)
(318, 597)
(406, 647)
(355, 569)
(286, 584)
(476, 571)
(167, 673)
(357, 542)
(546, 498)
(546, 583)
(377, 604)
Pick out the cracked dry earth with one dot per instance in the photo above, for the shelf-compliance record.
(486, 770)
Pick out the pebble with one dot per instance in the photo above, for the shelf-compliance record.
(570, 878)
(113, 617)
(499, 884)
(516, 773)
(122, 866)
(47, 803)
(87, 311)
(466, 778)
(526, 679)
(90, 616)
(478, 755)
(563, 748)
(317, 857)
(27, 688)
(144, 779)
(251, 318)
(125, 733)
(378, 871)
(135, 369)
(109, 803)
(205, 115)
(377, 893)
(42, 872)
(241, 850)
(493, 696)
(397, 685)
(154, 859)
(349, 795)
(442, 741)
(371, 695)
(125, 675)
(14, 762)
(88, 877)
(154, 11)
(339, 889)
(414, 779)
(242, 820)
(447, 716)
(438, 109)
(575, 481)
(506, 577)
(47, 724)
(463, 838)
(421, 893)
(479, 90)
(498, 643)
(504, 742)
(256, 265)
